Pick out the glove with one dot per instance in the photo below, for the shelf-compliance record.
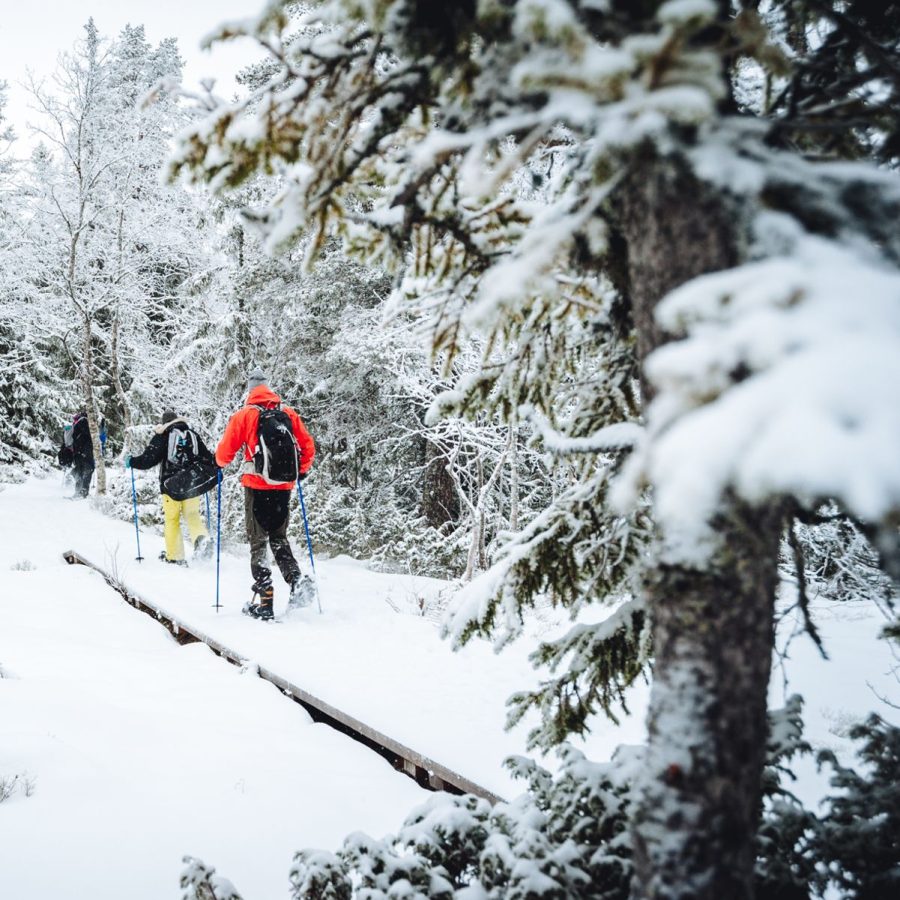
(127, 462)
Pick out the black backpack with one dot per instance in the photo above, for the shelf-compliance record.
(186, 473)
(183, 447)
(276, 457)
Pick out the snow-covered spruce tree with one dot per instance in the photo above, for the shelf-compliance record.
(850, 848)
(200, 882)
(750, 286)
(66, 207)
(160, 251)
(106, 253)
(857, 836)
(30, 410)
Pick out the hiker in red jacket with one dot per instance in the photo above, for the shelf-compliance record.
(277, 451)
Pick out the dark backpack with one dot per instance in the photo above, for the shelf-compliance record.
(183, 447)
(186, 473)
(276, 457)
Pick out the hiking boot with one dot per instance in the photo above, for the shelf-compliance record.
(260, 607)
(172, 562)
(303, 591)
(203, 547)
(258, 611)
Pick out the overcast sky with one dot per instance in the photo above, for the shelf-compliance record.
(32, 34)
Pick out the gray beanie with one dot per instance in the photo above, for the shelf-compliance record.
(255, 379)
(168, 416)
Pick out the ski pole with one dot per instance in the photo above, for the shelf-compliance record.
(218, 531)
(137, 532)
(312, 562)
(208, 520)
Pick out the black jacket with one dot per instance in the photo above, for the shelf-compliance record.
(82, 446)
(157, 452)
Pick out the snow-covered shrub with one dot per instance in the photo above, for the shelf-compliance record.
(8, 787)
(831, 557)
(785, 869)
(850, 849)
(564, 839)
(21, 782)
(567, 837)
(858, 836)
(200, 882)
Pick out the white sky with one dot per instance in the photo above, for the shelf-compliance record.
(32, 34)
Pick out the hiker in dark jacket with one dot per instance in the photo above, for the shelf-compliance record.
(175, 448)
(82, 454)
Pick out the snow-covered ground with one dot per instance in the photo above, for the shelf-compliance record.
(139, 750)
(136, 751)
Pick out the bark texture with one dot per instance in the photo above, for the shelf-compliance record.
(90, 402)
(440, 503)
(694, 832)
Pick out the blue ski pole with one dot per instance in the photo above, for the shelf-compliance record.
(218, 531)
(312, 562)
(137, 532)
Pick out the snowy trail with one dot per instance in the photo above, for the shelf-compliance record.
(142, 750)
(389, 669)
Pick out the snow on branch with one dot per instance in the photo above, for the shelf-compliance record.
(618, 436)
(786, 383)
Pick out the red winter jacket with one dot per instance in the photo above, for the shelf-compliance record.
(241, 431)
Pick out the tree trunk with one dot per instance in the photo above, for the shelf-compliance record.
(695, 826)
(694, 832)
(119, 388)
(440, 505)
(90, 403)
(514, 479)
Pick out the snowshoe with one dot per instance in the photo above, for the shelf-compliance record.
(203, 547)
(172, 562)
(303, 592)
(258, 611)
(260, 607)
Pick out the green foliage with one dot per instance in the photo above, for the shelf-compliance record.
(852, 847)
(858, 838)
(597, 663)
(319, 874)
(785, 870)
(842, 98)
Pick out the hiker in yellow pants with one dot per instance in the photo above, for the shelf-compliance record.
(178, 450)
(173, 510)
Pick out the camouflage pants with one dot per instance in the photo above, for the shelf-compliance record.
(266, 517)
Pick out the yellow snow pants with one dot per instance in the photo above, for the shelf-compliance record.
(173, 510)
